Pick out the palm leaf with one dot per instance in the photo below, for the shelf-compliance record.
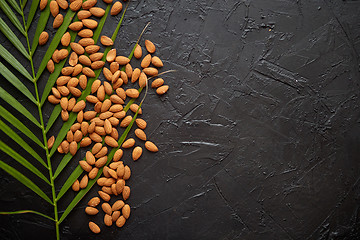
(4, 28)
(19, 125)
(15, 63)
(9, 151)
(8, 75)
(54, 115)
(10, 14)
(8, 131)
(23, 3)
(27, 211)
(71, 179)
(15, 104)
(34, 6)
(15, 6)
(41, 24)
(24, 180)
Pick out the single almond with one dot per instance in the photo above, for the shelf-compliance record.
(84, 128)
(122, 60)
(107, 74)
(106, 197)
(110, 57)
(128, 143)
(76, 26)
(94, 202)
(84, 182)
(119, 204)
(132, 92)
(128, 70)
(111, 142)
(93, 173)
(79, 106)
(75, 5)
(151, 71)
(95, 86)
(86, 141)
(126, 121)
(73, 148)
(120, 221)
(108, 220)
(84, 165)
(118, 82)
(146, 61)
(106, 105)
(126, 194)
(106, 174)
(95, 137)
(67, 71)
(64, 103)
(118, 154)
(127, 173)
(151, 146)
(50, 142)
(136, 154)
(43, 4)
(89, 23)
(150, 47)
(84, 60)
(116, 108)
(78, 136)
(115, 216)
(106, 208)
(80, 117)
(77, 48)
(100, 131)
(62, 4)
(96, 56)
(50, 66)
(107, 126)
(56, 92)
(114, 66)
(88, 72)
(106, 41)
(58, 21)
(114, 165)
(55, 56)
(97, 12)
(90, 158)
(76, 186)
(86, 33)
(43, 38)
(121, 93)
(120, 184)
(89, 4)
(65, 146)
(92, 99)
(115, 77)
(94, 227)
(96, 148)
(91, 211)
(77, 70)
(108, 88)
(142, 80)
(71, 104)
(92, 49)
(107, 190)
(75, 92)
(101, 162)
(91, 128)
(54, 8)
(134, 107)
(83, 14)
(75, 126)
(140, 134)
(86, 42)
(157, 83)
(138, 52)
(156, 61)
(126, 211)
(101, 93)
(64, 91)
(116, 8)
(114, 121)
(141, 123)
(62, 80)
(116, 99)
(135, 75)
(73, 59)
(97, 65)
(69, 136)
(59, 149)
(163, 89)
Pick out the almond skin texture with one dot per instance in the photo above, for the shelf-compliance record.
(76, 26)
(77, 48)
(84, 181)
(92, 49)
(76, 186)
(106, 208)
(117, 205)
(150, 47)
(96, 56)
(126, 121)
(93, 173)
(116, 8)
(84, 165)
(94, 202)
(122, 60)
(58, 21)
(75, 5)
(126, 211)
(50, 142)
(106, 41)
(110, 57)
(86, 42)
(120, 184)
(96, 148)
(156, 61)
(94, 228)
(136, 154)
(101, 162)
(163, 89)
(84, 60)
(151, 71)
(73, 59)
(132, 92)
(126, 193)
(128, 143)
(78, 136)
(63, 4)
(151, 146)
(43, 38)
(120, 221)
(86, 33)
(97, 65)
(91, 210)
(138, 52)
(73, 148)
(54, 8)
(90, 159)
(135, 75)
(89, 23)
(104, 196)
(43, 4)
(83, 14)
(118, 154)
(50, 66)
(88, 72)
(111, 142)
(140, 134)
(79, 106)
(157, 83)
(97, 12)
(146, 61)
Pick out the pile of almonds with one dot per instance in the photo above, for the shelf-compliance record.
(99, 126)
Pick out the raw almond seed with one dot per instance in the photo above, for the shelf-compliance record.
(91, 211)
(60, 150)
(83, 14)
(62, 80)
(106, 197)
(115, 216)
(100, 131)
(74, 91)
(110, 57)
(107, 74)
(65, 40)
(115, 77)
(84, 128)
(106, 174)
(86, 42)
(86, 33)
(118, 154)
(58, 21)
(94, 202)
(79, 106)
(128, 143)
(107, 190)
(163, 89)
(116, 99)
(52, 99)
(95, 86)
(140, 134)
(89, 23)
(76, 186)
(96, 56)
(90, 159)
(97, 12)
(114, 121)
(97, 65)
(97, 107)
(95, 137)
(92, 99)
(124, 77)
(151, 71)
(65, 146)
(151, 146)
(118, 83)
(128, 70)
(108, 88)
(114, 165)
(108, 127)
(116, 108)
(73, 148)
(108, 220)
(76, 26)
(84, 60)
(103, 151)
(120, 221)
(54, 8)
(89, 4)
(77, 48)
(106, 208)
(64, 103)
(116, 8)
(96, 148)
(43, 38)
(112, 173)
(94, 228)
(156, 61)
(73, 60)
(127, 173)
(73, 82)
(101, 93)
(64, 91)
(122, 60)
(113, 189)
(138, 52)
(111, 142)
(132, 92)
(141, 123)
(120, 184)
(106, 105)
(92, 49)
(101, 162)
(43, 4)
(80, 116)
(50, 66)
(91, 127)
(142, 80)
(135, 75)
(50, 142)
(106, 41)
(84, 181)
(105, 115)
(56, 92)
(136, 154)
(63, 4)
(117, 205)
(85, 142)
(75, 126)
(69, 136)
(84, 165)
(126, 121)
(78, 136)
(134, 107)
(93, 173)
(109, 180)
(77, 70)
(121, 93)
(88, 72)
(126, 194)
(150, 47)
(157, 83)
(67, 71)
(75, 5)
(146, 61)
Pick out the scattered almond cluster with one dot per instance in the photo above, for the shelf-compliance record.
(107, 99)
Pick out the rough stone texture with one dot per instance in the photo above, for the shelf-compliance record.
(258, 134)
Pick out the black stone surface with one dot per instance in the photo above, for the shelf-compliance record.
(258, 134)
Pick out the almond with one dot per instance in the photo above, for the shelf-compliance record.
(128, 70)
(73, 148)
(106, 208)
(94, 228)
(77, 70)
(90, 159)
(116, 99)
(108, 88)
(107, 74)
(84, 60)
(115, 216)
(58, 21)
(71, 104)
(89, 4)
(78, 136)
(84, 128)
(101, 93)
(96, 56)
(91, 210)
(62, 80)
(89, 23)
(157, 83)
(108, 220)
(54, 8)
(55, 56)
(92, 99)
(83, 14)
(126, 195)
(146, 61)
(92, 49)
(106, 105)
(91, 128)
(73, 60)
(104, 196)
(138, 52)
(110, 57)
(108, 127)
(80, 117)
(136, 154)
(163, 89)
(121, 93)
(106, 41)
(120, 184)
(96, 148)
(75, 126)
(79, 106)
(140, 134)
(95, 86)
(151, 71)
(97, 65)
(102, 153)
(101, 162)
(95, 137)
(100, 131)
(106, 174)
(127, 173)
(114, 165)
(150, 47)
(116, 8)
(116, 108)
(132, 92)
(124, 77)
(63, 4)
(77, 48)
(122, 60)
(63, 90)
(43, 38)
(56, 92)
(107, 190)
(76, 186)
(134, 107)
(65, 146)
(85, 142)
(75, 5)
(86, 42)
(75, 92)
(118, 83)
(64, 103)
(120, 221)
(43, 4)
(59, 149)
(67, 71)
(50, 66)
(115, 76)
(142, 80)
(140, 123)
(94, 202)
(117, 205)
(135, 75)
(84, 165)
(118, 154)
(76, 26)
(114, 121)
(69, 136)
(151, 146)
(126, 121)
(86, 33)
(50, 142)
(97, 12)
(128, 143)
(111, 142)
(88, 72)
(126, 211)
(156, 61)
(84, 181)
(93, 173)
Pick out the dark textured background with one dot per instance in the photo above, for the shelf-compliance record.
(258, 134)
